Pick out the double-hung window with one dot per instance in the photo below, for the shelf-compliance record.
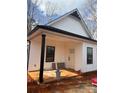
(50, 53)
(89, 55)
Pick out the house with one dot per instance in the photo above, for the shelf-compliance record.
(65, 40)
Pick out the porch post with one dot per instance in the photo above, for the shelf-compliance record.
(28, 52)
(42, 58)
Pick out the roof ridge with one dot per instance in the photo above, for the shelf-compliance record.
(80, 17)
(62, 15)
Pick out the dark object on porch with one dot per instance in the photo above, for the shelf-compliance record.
(53, 66)
(58, 74)
(59, 65)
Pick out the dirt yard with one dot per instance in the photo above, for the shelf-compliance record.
(77, 84)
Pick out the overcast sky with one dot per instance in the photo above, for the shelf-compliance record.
(64, 5)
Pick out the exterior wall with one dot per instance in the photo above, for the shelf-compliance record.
(59, 53)
(62, 54)
(35, 49)
(89, 67)
(78, 57)
(81, 57)
(72, 25)
(34, 57)
(70, 64)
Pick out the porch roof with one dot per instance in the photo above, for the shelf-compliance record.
(56, 30)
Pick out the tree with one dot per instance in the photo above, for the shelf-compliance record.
(93, 11)
(90, 16)
(31, 6)
(50, 9)
(31, 12)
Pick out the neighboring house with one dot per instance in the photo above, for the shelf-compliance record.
(65, 40)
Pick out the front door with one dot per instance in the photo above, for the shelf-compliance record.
(71, 58)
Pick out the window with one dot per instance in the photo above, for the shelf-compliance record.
(89, 55)
(50, 52)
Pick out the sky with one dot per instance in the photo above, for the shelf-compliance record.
(64, 6)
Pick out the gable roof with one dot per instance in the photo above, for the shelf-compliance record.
(75, 13)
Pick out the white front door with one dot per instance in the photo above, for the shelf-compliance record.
(71, 58)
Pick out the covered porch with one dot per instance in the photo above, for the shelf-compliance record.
(50, 51)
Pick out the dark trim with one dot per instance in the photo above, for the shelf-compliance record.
(28, 53)
(90, 72)
(75, 12)
(53, 29)
(53, 53)
(91, 61)
(34, 70)
(66, 14)
(42, 58)
(76, 15)
(34, 30)
(85, 25)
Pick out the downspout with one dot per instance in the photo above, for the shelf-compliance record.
(28, 52)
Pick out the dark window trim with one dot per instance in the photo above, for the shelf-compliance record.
(92, 56)
(53, 54)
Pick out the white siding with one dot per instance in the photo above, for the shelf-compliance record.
(78, 57)
(35, 50)
(59, 53)
(67, 49)
(62, 54)
(72, 25)
(89, 67)
(34, 57)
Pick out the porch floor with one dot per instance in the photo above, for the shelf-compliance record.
(51, 75)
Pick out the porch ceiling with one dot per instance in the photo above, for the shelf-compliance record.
(56, 32)
(55, 37)
(61, 38)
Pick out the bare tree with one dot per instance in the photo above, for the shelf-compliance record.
(31, 6)
(92, 6)
(50, 9)
(93, 10)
